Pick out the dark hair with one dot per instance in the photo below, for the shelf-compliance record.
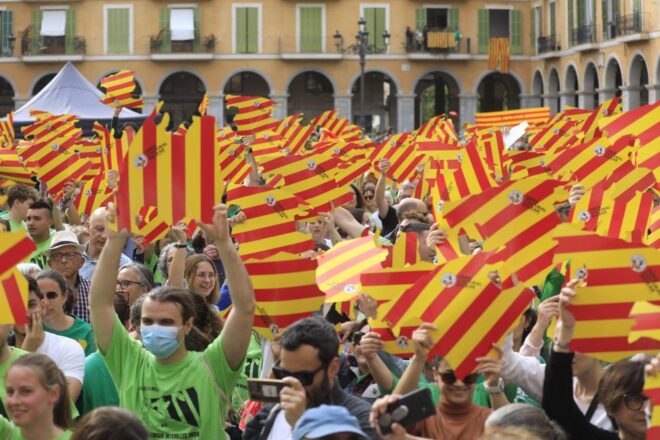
(62, 284)
(314, 331)
(177, 296)
(145, 274)
(122, 308)
(532, 316)
(33, 286)
(623, 377)
(21, 193)
(40, 204)
(359, 200)
(110, 423)
(192, 262)
(49, 375)
(207, 322)
(358, 214)
(136, 311)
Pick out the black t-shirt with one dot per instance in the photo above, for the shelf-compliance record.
(389, 222)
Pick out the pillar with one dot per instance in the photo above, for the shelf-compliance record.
(529, 101)
(654, 93)
(343, 106)
(216, 108)
(405, 110)
(630, 96)
(566, 98)
(586, 99)
(281, 108)
(20, 101)
(467, 103)
(551, 101)
(150, 103)
(605, 94)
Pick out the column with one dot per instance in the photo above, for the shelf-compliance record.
(216, 108)
(565, 97)
(654, 93)
(150, 103)
(467, 105)
(529, 101)
(605, 94)
(281, 107)
(405, 110)
(20, 101)
(586, 99)
(343, 106)
(630, 96)
(551, 101)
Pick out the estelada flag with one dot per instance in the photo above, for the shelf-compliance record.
(254, 114)
(647, 321)
(652, 391)
(339, 269)
(119, 90)
(271, 221)
(617, 274)
(12, 168)
(13, 297)
(285, 291)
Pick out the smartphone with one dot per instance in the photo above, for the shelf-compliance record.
(408, 410)
(232, 210)
(357, 337)
(265, 390)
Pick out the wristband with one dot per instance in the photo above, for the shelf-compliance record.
(499, 388)
(180, 245)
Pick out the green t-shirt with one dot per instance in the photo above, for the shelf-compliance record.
(252, 369)
(81, 332)
(11, 432)
(38, 256)
(15, 354)
(98, 388)
(175, 401)
(13, 224)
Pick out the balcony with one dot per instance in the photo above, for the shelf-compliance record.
(584, 37)
(547, 44)
(628, 27)
(319, 48)
(437, 43)
(163, 49)
(50, 49)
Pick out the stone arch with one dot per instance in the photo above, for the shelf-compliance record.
(7, 94)
(182, 91)
(638, 81)
(571, 86)
(613, 78)
(41, 82)
(435, 93)
(329, 77)
(256, 72)
(380, 109)
(498, 91)
(590, 86)
(247, 83)
(537, 89)
(310, 92)
(552, 95)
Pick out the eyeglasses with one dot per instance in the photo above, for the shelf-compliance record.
(634, 402)
(368, 197)
(57, 256)
(304, 377)
(52, 295)
(125, 284)
(448, 377)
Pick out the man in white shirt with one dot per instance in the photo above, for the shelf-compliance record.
(67, 354)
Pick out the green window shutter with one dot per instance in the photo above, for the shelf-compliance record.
(35, 32)
(533, 32)
(252, 30)
(452, 21)
(70, 30)
(370, 25)
(484, 32)
(7, 28)
(311, 26)
(553, 20)
(516, 30)
(241, 30)
(420, 18)
(380, 28)
(165, 42)
(637, 15)
(570, 22)
(580, 13)
(118, 30)
(197, 42)
(604, 20)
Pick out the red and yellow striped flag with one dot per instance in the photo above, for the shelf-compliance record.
(295, 134)
(647, 321)
(509, 118)
(555, 137)
(647, 154)
(233, 166)
(617, 274)
(119, 90)
(498, 54)
(7, 133)
(12, 168)
(271, 224)
(652, 391)
(626, 181)
(653, 238)
(203, 105)
(254, 114)
(94, 194)
(285, 290)
(15, 247)
(339, 269)
(403, 156)
(331, 122)
(404, 252)
(150, 225)
(473, 176)
(491, 149)
(590, 127)
(49, 125)
(640, 122)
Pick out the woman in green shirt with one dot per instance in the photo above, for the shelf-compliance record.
(37, 400)
(58, 304)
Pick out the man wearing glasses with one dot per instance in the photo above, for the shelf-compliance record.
(65, 256)
(309, 364)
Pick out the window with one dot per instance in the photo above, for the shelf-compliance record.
(247, 26)
(376, 18)
(311, 28)
(6, 30)
(536, 27)
(499, 23)
(54, 32)
(118, 29)
(553, 21)
(179, 30)
(437, 18)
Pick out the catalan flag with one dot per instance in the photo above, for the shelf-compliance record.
(61, 169)
(254, 114)
(404, 252)
(652, 391)
(617, 274)
(590, 126)
(628, 180)
(285, 290)
(498, 54)
(232, 152)
(339, 269)
(510, 118)
(639, 122)
(13, 297)
(13, 168)
(294, 133)
(15, 247)
(627, 220)
(94, 194)
(401, 153)
(473, 176)
(203, 105)
(653, 238)
(331, 122)
(120, 89)
(271, 224)
(647, 321)
(491, 148)
(556, 136)
(49, 125)
(113, 150)
(7, 134)
(150, 225)
(647, 154)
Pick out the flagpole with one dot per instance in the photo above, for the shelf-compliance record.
(362, 37)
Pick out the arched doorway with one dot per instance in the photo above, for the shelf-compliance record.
(43, 82)
(137, 91)
(552, 99)
(247, 84)
(498, 91)
(571, 87)
(537, 90)
(182, 92)
(310, 93)
(638, 80)
(613, 79)
(591, 87)
(436, 93)
(379, 102)
(6, 97)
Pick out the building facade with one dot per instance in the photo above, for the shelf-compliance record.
(424, 58)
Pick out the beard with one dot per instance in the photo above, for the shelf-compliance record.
(319, 395)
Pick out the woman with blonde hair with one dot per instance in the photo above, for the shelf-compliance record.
(202, 277)
(37, 400)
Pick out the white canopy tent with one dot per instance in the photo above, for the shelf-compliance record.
(70, 93)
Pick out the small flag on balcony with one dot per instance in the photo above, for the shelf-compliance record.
(119, 90)
(499, 54)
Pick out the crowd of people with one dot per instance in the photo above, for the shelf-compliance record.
(127, 341)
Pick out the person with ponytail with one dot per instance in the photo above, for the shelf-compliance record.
(37, 400)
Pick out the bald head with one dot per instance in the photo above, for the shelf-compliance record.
(97, 235)
(408, 205)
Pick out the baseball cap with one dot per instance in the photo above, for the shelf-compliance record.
(326, 420)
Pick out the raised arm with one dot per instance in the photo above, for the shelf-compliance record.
(533, 344)
(370, 345)
(177, 269)
(104, 281)
(423, 343)
(237, 332)
(381, 201)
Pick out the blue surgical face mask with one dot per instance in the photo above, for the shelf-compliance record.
(160, 340)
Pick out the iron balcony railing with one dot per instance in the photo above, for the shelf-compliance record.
(584, 34)
(547, 44)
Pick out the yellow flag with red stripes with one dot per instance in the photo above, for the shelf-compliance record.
(253, 113)
(640, 122)
(647, 321)
(120, 90)
(7, 133)
(15, 247)
(402, 154)
(150, 225)
(591, 127)
(203, 105)
(12, 168)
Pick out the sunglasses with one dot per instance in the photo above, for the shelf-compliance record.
(449, 378)
(52, 295)
(306, 378)
(368, 197)
(634, 402)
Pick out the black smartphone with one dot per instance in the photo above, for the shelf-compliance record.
(265, 390)
(408, 410)
(357, 337)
